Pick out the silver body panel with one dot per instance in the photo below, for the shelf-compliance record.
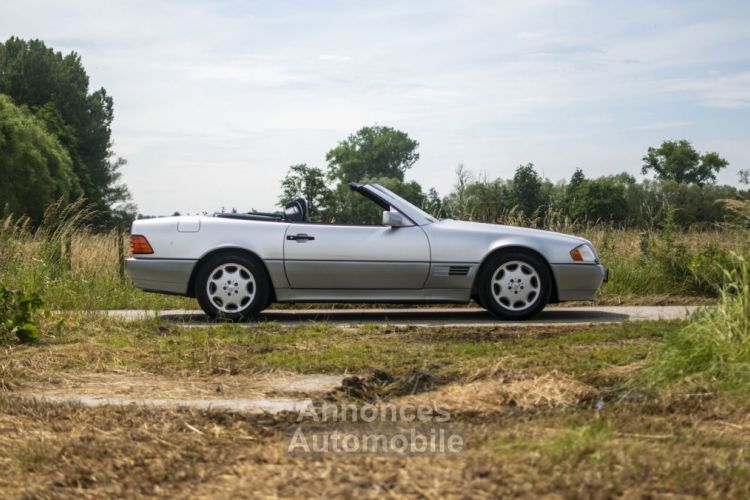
(578, 281)
(356, 257)
(426, 261)
(161, 275)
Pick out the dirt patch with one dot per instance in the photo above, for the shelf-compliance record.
(380, 385)
(149, 385)
(549, 391)
(271, 393)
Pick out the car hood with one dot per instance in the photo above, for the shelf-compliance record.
(510, 230)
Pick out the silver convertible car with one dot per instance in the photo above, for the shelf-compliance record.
(238, 264)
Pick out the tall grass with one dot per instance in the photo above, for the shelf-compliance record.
(73, 267)
(658, 264)
(713, 350)
(69, 265)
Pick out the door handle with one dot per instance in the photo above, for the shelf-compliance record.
(300, 237)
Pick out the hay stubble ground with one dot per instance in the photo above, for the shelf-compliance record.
(555, 410)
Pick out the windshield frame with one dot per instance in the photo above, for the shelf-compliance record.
(416, 214)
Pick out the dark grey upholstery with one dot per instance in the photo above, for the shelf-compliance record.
(296, 211)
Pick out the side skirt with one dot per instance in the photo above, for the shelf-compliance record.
(382, 296)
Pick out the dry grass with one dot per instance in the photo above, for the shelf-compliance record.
(526, 399)
(65, 451)
(552, 390)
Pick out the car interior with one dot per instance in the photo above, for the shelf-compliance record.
(294, 211)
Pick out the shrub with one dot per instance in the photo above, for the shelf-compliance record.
(17, 309)
(714, 348)
(697, 269)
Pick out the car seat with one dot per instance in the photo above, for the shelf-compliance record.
(296, 211)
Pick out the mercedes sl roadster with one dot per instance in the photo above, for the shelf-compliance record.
(236, 265)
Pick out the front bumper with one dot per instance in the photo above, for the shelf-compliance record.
(578, 281)
(160, 275)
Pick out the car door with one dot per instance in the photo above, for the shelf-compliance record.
(327, 256)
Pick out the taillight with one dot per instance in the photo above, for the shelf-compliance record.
(140, 245)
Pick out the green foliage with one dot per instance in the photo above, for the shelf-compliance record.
(618, 200)
(350, 207)
(17, 310)
(55, 87)
(309, 183)
(372, 152)
(696, 270)
(525, 191)
(35, 168)
(432, 204)
(680, 162)
(714, 348)
(601, 199)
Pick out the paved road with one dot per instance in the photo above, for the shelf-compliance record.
(430, 316)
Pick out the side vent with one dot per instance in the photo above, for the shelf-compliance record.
(448, 270)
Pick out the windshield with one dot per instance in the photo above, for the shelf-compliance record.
(409, 209)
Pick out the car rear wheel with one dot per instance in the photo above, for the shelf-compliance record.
(232, 286)
(515, 285)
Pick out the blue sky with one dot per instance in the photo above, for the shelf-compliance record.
(214, 100)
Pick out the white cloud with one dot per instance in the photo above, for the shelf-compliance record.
(213, 100)
(724, 92)
(663, 125)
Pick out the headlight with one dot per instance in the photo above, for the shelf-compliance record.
(583, 253)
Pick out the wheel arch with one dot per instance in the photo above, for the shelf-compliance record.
(223, 250)
(514, 248)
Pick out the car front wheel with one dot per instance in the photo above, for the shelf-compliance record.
(515, 285)
(232, 286)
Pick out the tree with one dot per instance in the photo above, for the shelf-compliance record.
(372, 152)
(432, 204)
(35, 168)
(601, 199)
(456, 202)
(309, 183)
(576, 181)
(525, 191)
(680, 162)
(56, 89)
(350, 207)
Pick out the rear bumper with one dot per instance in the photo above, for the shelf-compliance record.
(578, 281)
(160, 275)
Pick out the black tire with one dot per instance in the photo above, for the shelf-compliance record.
(478, 300)
(529, 299)
(260, 287)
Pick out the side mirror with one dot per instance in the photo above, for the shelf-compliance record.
(393, 219)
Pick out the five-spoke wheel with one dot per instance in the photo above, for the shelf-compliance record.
(514, 285)
(233, 286)
(230, 287)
